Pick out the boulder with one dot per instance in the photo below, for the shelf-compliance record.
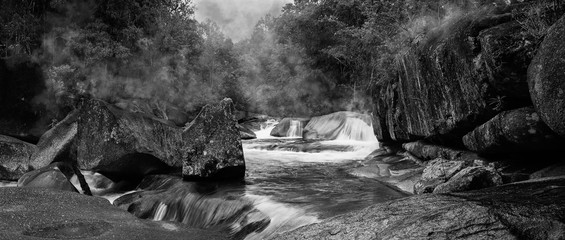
(158, 109)
(167, 198)
(32, 213)
(340, 126)
(215, 150)
(458, 76)
(55, 144)
(529, 210)
(545, 78)
(284, 126)
(512, 132)
(53, 176)
(507, 51)
(15, 157)
(426, 151)
(245, 133)
(443, 169)
(471, 178)
(121, 144)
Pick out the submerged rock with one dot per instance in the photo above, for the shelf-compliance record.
(512, 132)
(545, 78)
(15, 157)
(31, 213)
(529, 210)
(214, 145)
(290, 127)
(340, 126)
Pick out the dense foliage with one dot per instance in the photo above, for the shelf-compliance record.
(317, 57)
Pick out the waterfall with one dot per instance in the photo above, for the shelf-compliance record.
(266, 129)
(160, 212)
(295, 129)
(341, 126)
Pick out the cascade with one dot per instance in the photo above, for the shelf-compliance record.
(295, 129)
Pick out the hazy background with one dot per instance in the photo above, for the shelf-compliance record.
(237, 18)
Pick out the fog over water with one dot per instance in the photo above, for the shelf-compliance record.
(237, 17)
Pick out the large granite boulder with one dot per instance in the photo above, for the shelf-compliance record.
(456, 77)
(437, 172)
(56, 143)
(546, 76)
(121, 144)
(340, 126)
(283, 128)
(214, 145)
(529, 210)
(15, 157)
(202, 205)
(512, 132)
(33, 213)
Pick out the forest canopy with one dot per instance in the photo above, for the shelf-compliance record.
(316, 57)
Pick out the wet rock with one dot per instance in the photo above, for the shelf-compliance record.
(443, 169)
(122, 144)
(200, 205)
(426, 151)
(471, 178)
(340, 126)
(545, 79)
(282, 128)
(15, 157)
(245, 133)
(555, 170)
(427, 186)
(30, 213)
(54, 176)
(512, 132)
(55, 144)
(530, 210)
(215, 150)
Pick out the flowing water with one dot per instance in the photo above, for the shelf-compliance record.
(291, 181)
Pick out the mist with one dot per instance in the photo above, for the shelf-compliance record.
(237, 18)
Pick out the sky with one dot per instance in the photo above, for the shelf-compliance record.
(237, 17)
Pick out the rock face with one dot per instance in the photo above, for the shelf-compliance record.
(512, 132)
(471, 178)
(545, 79)
(15, 157)
(215, 146)
(31, 213)
(167, 198)
(56, 143)
(283, 127)
(456, 78)
(530, 210)
(118, 144)
(340, 126)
